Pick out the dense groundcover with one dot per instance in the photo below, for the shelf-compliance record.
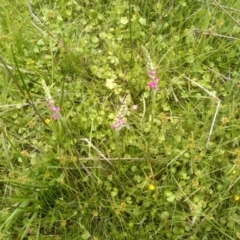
(119, 119)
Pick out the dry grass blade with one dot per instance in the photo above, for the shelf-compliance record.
(97, 150)
(227, 13)
(217, 108)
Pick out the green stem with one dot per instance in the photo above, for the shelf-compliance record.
(130, 28)
(153, 94)
(30, 101)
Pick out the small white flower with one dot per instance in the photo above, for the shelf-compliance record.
(134, 107)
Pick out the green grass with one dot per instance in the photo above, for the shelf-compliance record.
(155, 178)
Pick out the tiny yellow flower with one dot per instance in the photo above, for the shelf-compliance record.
(238, 235)
(123, 206)
(237, 197)
(62, 160)
(22, 179)
(117, 211)
(47, 174)
(224, 120)
(51, 14)
(195, 183)
(11, 175)
(74, 158)
(151, 187)
(31, 124)
(163, 117)
(63, 223)
(47, 120)
(237, 152)
(237, 162)
(24, 153)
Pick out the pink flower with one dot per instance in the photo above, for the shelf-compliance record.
(152, 74)
(55, 116)
(152, 85)
(118, 122)
(54, 109)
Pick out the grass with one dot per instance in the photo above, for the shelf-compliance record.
(150, 175)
